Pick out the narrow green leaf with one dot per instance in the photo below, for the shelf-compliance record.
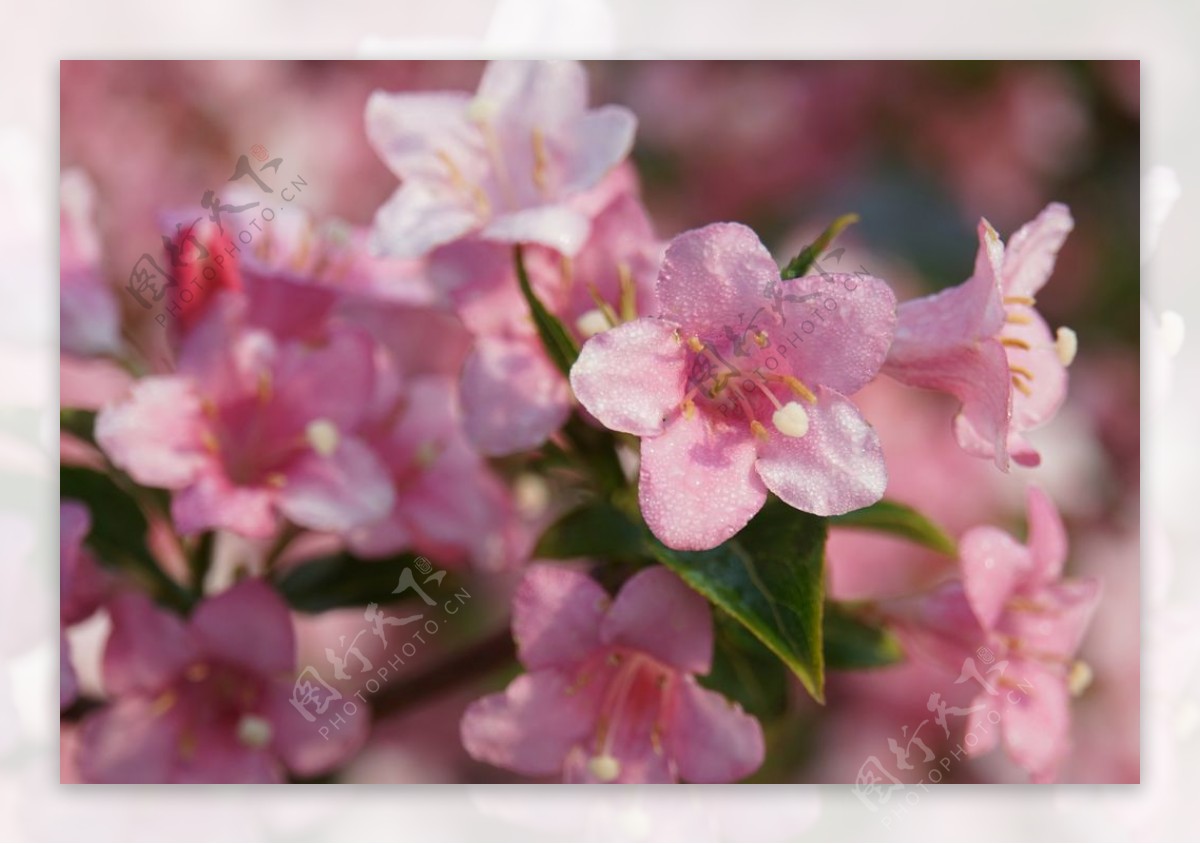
(555, 338)
(79, 422)
(770, 577)
(900, 520)
(801, 264)
(343, 580)
(597, 529)
(852, 644)
(118, 533)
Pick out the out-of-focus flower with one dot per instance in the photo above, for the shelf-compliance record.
(611, 695)
(89, 320)
(1037, 619)
(448, 503)
(697, 383)
(82, 588)
(985, 344)
(502, 163)
(513, 396)
(206, 700)
(252, 427)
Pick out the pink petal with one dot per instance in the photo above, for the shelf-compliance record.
(698, 486)
(332, 382)
(834, 468)
(632, 376)
(338, 492)
(147, 646)
(657, 613)
(985, 733)
(513, 396)
(214, 502)
(419, 218)
(155, 434)
(83, 585)
(559, 227)
(530, 727)
(1037, 725)
(993, 563)
(1047, 537)
(129, 741)
(220, 758)
(557, 614)
(1048, 385)
(408, 130)
(851, 329)
(542, 93)
(714, 277)
(1029, 258)
(68, 683)
(939, 626)
(711, 739)
(247, 626)
(604, 137)
(1060, 621)
(299, 742)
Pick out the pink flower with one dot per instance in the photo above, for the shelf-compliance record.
(502, 163)
(513, 395)
(251, 428)
(1036, 621)
(449, 504)
(611, 695)
(740, 387)
(90, 320)
(206, 700)
(83, 587)
(985, 344)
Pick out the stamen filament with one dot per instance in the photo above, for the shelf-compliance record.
(1014, 343)
(1019, 300)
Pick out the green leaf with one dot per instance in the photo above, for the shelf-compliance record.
(119, 527)
(852, 643)
(343, 580)
(80, 423)
(900, 520)
(596, 529)
(771, 578)
(745, 670)
(808, 256)
(555, 338)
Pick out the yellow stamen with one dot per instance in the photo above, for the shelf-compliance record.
(1018, 319)
(1020, 385)
(541, 160)
(1066, 344)
(695, 345)
(196, 672)
(1019, 300)
(209, 441)
(760, 337)
(1022, 371)
(605, 308)
(1079, 678)
(264, 386)
(628, 292)
(163, 703)
(797, 386)
(759, 431)
(457, 181)
(277, 480)
(1013, 342)
(208, 408)
(689, 408)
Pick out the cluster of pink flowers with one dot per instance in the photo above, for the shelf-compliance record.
(393, 390)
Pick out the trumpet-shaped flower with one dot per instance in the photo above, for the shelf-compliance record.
(984, 343)
(502, 163)
(611, 694)
(740, 386)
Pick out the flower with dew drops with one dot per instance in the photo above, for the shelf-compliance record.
(984, 343)
(735, 392)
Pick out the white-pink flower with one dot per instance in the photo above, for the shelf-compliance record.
(501, 163)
